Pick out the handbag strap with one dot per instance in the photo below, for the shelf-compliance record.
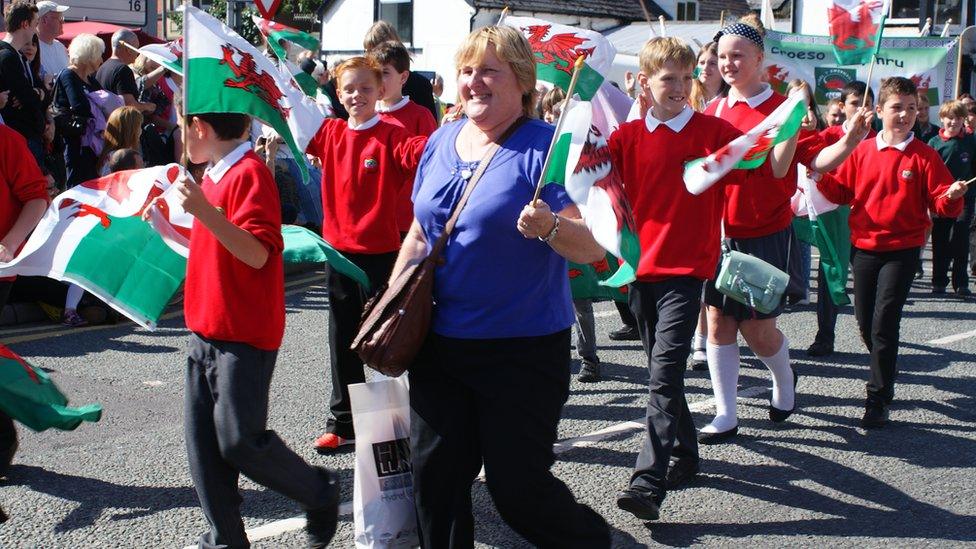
(469, 188)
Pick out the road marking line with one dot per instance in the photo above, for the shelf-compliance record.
(59, 331)
(952, 339)
(283, 526)
(604, 314)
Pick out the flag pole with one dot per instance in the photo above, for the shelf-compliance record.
(664, 30)
(577, 67)
(184, 130)
(867, 83)
(502, 16)
(647, 15)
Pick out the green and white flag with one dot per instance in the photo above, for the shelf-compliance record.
(226, 74)
(855, 29)
(556, 48)
(823, 224)
(170, 54)
(275, 33)
(581, 162)
(748, 151)
(93, 235)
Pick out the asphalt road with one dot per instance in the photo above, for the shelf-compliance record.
(818, 480)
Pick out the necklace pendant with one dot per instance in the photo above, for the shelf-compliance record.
(466, 174)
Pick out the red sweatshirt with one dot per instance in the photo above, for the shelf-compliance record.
(678, 231)
(762, 207)
(890, 190)
(20, 179)
(225, 299)
(418, 121)
(363, 171)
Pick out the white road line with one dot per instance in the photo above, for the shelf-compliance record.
(952, 339)
(283, 526)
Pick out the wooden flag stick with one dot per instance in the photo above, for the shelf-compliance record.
(721, 20)
(502, 16)
(184, 128)
(867, 83)
(664, 29)
(647, 15)
(578, 66)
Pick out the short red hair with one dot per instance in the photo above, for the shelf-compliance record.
(359, 63)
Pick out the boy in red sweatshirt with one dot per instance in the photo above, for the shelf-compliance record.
(890, 182)
(365, 164)
(395, 108)
(235, 310)
(679, 235)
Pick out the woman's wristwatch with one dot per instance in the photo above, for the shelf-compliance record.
(555, 230)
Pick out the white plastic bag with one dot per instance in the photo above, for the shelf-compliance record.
(383, 510)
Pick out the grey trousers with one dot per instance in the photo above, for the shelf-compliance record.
(585, 329)
(225, 420)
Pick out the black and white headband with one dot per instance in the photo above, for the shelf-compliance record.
(741, 29)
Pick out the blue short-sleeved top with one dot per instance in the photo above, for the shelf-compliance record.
(495, 283)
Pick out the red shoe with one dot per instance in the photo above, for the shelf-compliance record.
(331, 441)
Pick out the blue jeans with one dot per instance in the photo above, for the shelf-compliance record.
(309, 194)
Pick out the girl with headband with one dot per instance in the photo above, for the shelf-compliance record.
(757, 221)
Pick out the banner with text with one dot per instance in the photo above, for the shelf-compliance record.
(929, 61)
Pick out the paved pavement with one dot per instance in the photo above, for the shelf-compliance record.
(817, 480)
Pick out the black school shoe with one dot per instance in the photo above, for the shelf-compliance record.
(625, 333)
(589, 372)
(779, 416)
(875, 416)
(964, 292)
(639, 504)
(321, 522)
(681, 473)
(717, 438)
(819, 348)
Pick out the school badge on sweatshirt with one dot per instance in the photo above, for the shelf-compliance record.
(371, 164)
(907, 174)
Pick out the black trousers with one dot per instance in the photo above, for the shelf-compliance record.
(826, 312)
(950, 247)
(497, 402)
(667, 315)
(225, 420)
(8, 433)
(346, 301)
(882, 281)
(80, 162)
(626, 316)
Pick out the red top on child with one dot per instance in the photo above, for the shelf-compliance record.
(225, 299)
(763, 207)
(890, 189)
(418, 121)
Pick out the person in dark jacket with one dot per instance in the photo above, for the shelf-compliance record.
(71, 96)
(24, 111)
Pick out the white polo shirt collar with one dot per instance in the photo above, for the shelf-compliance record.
(882, 144)
(676, 123)
(753, 101)
(397, 106)
(218, 170)
(365, 125)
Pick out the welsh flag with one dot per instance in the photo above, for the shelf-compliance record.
(170, 54)
(28, 395)
(855, 29)
(748, 151)
(556, 48)
(581, 162)
(225, 73)
(93, 235)
(823, 224)
(275, 33)
(585, 279)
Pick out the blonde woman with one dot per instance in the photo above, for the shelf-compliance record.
(122, 131)
(489, 386)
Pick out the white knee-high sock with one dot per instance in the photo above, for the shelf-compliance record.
(779, 365)
(723, 368)
(698, 344)
(75, 294)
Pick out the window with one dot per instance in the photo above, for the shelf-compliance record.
(687, 11)
(398, 13)
(905, 9)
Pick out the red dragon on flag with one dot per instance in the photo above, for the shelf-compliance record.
(249, 78)
(559, 50)
(855, 29)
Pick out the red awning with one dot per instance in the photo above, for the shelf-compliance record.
(103, 31)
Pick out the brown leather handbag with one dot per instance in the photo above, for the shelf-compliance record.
(396, 321)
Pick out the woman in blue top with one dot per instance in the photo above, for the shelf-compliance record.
(489, 385)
